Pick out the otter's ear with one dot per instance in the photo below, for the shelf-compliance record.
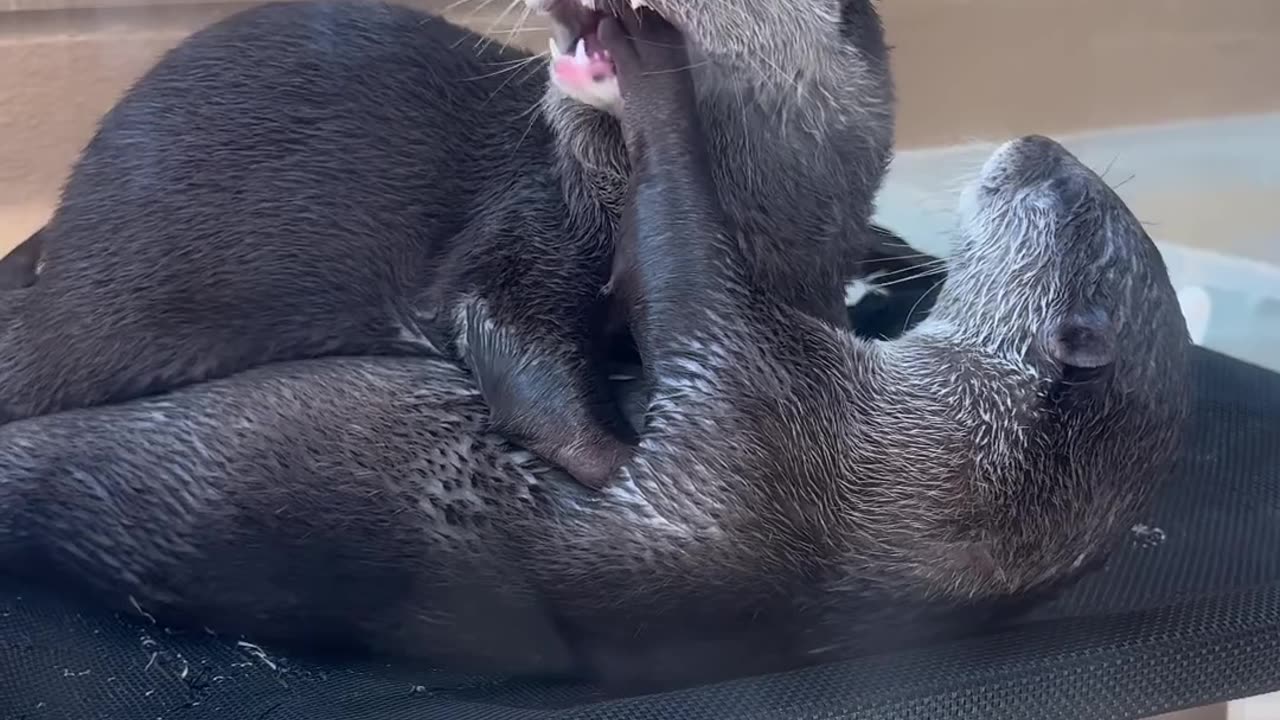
(1083, 340)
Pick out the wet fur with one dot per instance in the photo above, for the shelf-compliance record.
(333, 178)
(797, 493)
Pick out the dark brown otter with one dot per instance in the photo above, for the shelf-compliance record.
(344, 178)
(797, 493)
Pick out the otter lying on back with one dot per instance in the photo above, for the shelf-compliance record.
(797, 493)
(344, 178)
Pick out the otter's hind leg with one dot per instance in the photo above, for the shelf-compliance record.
(546, 387)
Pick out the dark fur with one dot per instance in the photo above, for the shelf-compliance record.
(21, 267)
(338, 178)
(797, 493)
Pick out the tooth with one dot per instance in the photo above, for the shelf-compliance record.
(637, 4)
(588, 4)
(580, 53)
(555, 49)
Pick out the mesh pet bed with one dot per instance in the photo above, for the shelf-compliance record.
(1188, 613)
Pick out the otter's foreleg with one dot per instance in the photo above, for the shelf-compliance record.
(672, 259)
(735, 374)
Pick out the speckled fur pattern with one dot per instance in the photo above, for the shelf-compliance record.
(797, 493)
(335, 178)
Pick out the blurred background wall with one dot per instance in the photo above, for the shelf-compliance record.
(967, 69)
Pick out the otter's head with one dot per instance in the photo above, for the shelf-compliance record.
(1052, 267)
(823, 53)
(796, 103)
(1062, 355)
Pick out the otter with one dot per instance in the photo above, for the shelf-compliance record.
(339, 178)
(797, 493)
(21, 266)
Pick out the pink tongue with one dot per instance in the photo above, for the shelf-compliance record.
(594, 71)
(597, 67)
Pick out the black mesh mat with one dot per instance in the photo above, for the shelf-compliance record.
(1187, 614)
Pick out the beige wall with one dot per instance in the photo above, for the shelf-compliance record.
(966, 68)
(995, 68)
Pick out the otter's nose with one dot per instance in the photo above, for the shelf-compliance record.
(1029, 159)
(1039, 144)
(1035, 161)
(1038, 158)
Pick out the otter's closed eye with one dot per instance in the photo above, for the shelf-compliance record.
(1083, 340)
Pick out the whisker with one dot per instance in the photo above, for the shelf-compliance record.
(533, 119)
(895, 259)
(517, 61)
(519, 25)
(905, 274)
(513, 67)
(782, 75)
(655, 43)
(458, 3)
(912, 312)
(678, 70)
(512, 76)
(911, 278)
(486, 38)
(1124, 182)
(1107, 169)
(939, 262)
(897, 243)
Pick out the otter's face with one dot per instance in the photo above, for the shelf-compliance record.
(1054, 277)
(831, 47)
(1051, 265)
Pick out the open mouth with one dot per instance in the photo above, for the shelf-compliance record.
(577, 55)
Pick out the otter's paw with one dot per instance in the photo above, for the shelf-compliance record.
(644, 46)
(589, 457)
(653, 75)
